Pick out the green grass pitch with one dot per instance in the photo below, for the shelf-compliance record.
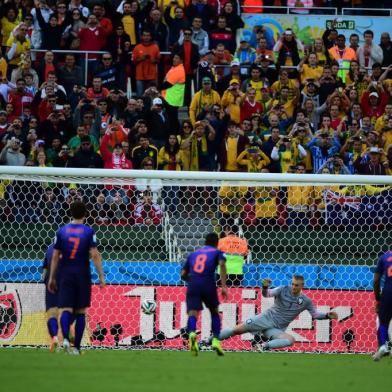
(150, 371)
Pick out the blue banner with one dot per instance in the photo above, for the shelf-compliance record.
(344, 277)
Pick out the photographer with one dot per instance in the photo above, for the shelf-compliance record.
(291, 154)
(64, 157)
(11, 154)
(253, 159)
(335, 165)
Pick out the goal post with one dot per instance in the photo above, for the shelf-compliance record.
(328, 228)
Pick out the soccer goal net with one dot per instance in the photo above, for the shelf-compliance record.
(330, 229)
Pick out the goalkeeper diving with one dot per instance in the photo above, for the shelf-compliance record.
(289, 302)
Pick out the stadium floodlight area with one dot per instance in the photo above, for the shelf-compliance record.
(330, 229)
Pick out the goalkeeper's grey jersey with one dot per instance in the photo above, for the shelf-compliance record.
(287, 307)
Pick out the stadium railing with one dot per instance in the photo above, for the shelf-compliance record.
(84, 54)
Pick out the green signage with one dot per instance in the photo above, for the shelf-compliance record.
(344, 24)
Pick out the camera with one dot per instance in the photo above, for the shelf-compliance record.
(286, 139)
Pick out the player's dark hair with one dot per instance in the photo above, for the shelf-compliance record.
(78, 209)
(212, 239)
(298, 277)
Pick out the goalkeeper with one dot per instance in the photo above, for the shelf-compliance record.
(289, 303)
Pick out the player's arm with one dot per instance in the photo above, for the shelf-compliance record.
(52, 285)
(44, 274)
(266, 291)
(96, 257)
(185, 271)
(321, 315)
(223, 277)
(377, 288)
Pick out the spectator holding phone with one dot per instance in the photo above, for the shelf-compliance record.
(146, 56)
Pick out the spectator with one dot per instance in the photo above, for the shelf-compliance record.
(246, 55)
(170, 156)
(76, 23)
(369, 53)
(100, 211)
(189, 52)
(232, 100)
(70, 74)
(184, 139)
(253, 160)
(291, 154)
(158, 123)
(64, 157)
(20, 97)
(233, 18)
(152, 185)
(199, 36)
(146, 55)
(354, 42)
(11, 154)
(249, 105)
(76, 141)
(109, 73)
(386, 46)
(176, 24)
(231, 147)
(158, 29)
(86, 157)
(51, 31)
(343, 55)
(92, 36)
(287, 49)
(223, 35)
(310, 70)
(201, 146)
(104, 23)
(17, 44)
(25, 68)
(49, 207)
(147, 212)
(200, 10)
(372, 165)
(115, 159)
(203, 99)
(142, 151)
(322, 147)
(97, 91)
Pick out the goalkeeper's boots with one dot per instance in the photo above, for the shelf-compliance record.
(74, 351)
(54, 344)
(216, 346)
(381, 352)
(193, 345)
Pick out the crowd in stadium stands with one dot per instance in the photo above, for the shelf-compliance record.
(201, 98)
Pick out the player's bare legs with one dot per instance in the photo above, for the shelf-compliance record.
(193, 345)
(53, 327)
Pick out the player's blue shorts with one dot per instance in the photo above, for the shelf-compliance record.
(74, 291)
(385, 309)
(197, 294)
(51, 299)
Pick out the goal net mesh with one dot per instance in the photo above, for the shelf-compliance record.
(330, 234)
